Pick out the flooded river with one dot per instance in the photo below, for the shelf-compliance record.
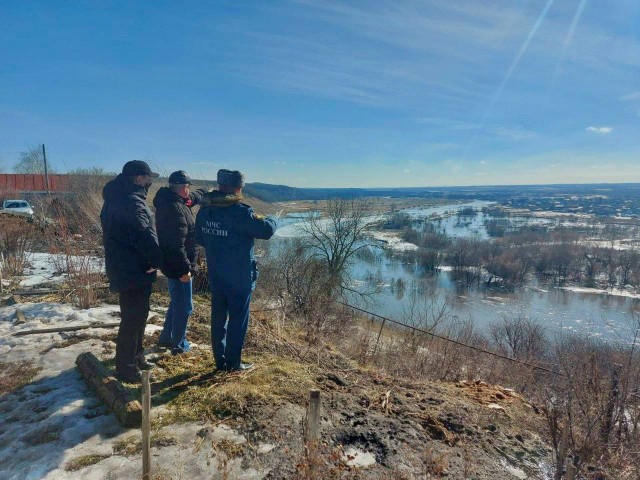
(397, 284)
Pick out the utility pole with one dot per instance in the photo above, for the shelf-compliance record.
(46, 173)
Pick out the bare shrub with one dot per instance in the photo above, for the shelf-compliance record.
(16, 237)
(81, 209)
(427, 313)
(302, 284)
(84, 270)
(519, 337)
(597, 400)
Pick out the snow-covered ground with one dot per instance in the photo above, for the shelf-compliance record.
(616, 292)
(50, 268)
(56, 419)
(392, 240)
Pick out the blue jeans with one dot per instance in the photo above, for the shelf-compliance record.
(229, 323)
(175, 322)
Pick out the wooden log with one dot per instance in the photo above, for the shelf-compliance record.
(47, 291)
(66, 329)
(127, 409)
(146, 426)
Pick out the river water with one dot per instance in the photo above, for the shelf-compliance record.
(600, 315)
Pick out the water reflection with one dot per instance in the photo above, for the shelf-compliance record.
(395, 279)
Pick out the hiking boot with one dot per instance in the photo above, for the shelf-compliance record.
(129, 377)
(240, 368)
(133, 377)
(143, 364)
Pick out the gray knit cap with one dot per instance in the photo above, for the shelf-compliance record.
(230, 178)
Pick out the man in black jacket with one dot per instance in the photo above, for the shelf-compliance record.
(176, 223)
(132, 256)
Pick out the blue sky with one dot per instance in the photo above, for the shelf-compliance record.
(329, 93)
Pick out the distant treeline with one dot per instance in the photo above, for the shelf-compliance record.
(279, 193)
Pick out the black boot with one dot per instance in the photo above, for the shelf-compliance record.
(143, 364)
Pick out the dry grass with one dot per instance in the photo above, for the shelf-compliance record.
(79, 463)
(17, 236)
(132, 444)
(194, 390)
(15, 375)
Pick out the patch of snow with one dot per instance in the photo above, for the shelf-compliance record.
(56, 417)
(516, 472)
(265, 448)
(393, 241)
(45, 268)
(495, 406)
(358, 458)
(616, 292)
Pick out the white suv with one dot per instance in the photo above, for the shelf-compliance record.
(17, 207)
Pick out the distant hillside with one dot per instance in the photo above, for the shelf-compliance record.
(282, 193)
(264, 192)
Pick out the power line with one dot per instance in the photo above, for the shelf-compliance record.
(456, 342)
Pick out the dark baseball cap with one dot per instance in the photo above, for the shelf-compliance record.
(180, 178)
(134, 168)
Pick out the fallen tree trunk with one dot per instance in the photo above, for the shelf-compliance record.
(127, 409)
(66, 329)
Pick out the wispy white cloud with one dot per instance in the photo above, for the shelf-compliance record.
(512, 132)
(600, 130)
(631, 96)
(414, 54)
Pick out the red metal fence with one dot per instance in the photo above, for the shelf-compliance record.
(24, 183)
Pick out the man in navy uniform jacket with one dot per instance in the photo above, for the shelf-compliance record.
(226, 228)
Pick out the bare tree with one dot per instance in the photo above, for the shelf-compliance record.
(519, 337)
(338, 235)
(31, 161)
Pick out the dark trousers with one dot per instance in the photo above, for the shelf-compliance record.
(229, 323)
(134, 310)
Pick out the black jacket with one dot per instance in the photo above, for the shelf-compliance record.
(130, 240)
(175, 223)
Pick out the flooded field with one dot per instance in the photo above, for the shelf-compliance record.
(398, 284)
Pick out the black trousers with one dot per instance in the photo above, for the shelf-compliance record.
(134, 310)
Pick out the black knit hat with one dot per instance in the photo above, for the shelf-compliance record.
(134, 168)
(231, 178)
(179, 178)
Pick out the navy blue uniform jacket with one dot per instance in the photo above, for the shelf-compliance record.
(226, 228)
(129, 235)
